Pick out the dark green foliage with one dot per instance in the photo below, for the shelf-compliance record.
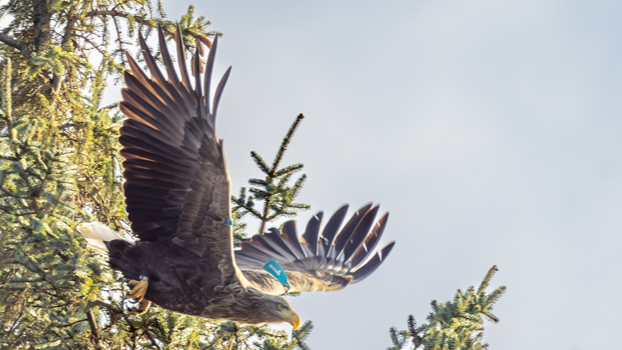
(46, 279)
(274, 190)
(455, 325)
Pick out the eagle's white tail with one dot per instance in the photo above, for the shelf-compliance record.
(96, 234)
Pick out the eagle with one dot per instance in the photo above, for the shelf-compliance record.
(178, 199)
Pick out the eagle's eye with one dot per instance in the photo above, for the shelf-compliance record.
(281, 307)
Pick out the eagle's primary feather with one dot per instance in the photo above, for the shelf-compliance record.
(177, 192)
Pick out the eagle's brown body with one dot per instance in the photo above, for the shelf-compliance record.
(184, 282)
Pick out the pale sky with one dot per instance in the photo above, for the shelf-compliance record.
(490, 130)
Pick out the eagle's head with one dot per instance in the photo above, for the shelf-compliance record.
(281, 311)
(257, 307)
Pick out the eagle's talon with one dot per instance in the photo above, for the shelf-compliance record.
(139, 288)
(142, 307)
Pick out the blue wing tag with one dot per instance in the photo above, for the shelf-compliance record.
(277, 271)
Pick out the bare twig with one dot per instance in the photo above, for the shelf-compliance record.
(115, 13)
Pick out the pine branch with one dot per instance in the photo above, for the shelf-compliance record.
(20, 45)
(298, 186)
(288, 170)
(286, 140)
(260, 162)
(486, 281)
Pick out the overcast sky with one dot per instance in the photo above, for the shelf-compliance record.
(490, 130)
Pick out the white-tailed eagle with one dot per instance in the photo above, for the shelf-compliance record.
(178, 199)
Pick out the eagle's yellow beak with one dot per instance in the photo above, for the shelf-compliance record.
(291, 317)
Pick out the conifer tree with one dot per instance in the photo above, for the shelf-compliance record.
(454, 325)
(277, 197)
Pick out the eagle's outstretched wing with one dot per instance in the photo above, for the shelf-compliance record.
(177, 186)
(315, 261)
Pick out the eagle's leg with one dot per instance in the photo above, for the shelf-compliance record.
(139, 288)
(142, 307)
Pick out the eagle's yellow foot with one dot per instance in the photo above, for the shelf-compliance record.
(139, 288)
(142, 307)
